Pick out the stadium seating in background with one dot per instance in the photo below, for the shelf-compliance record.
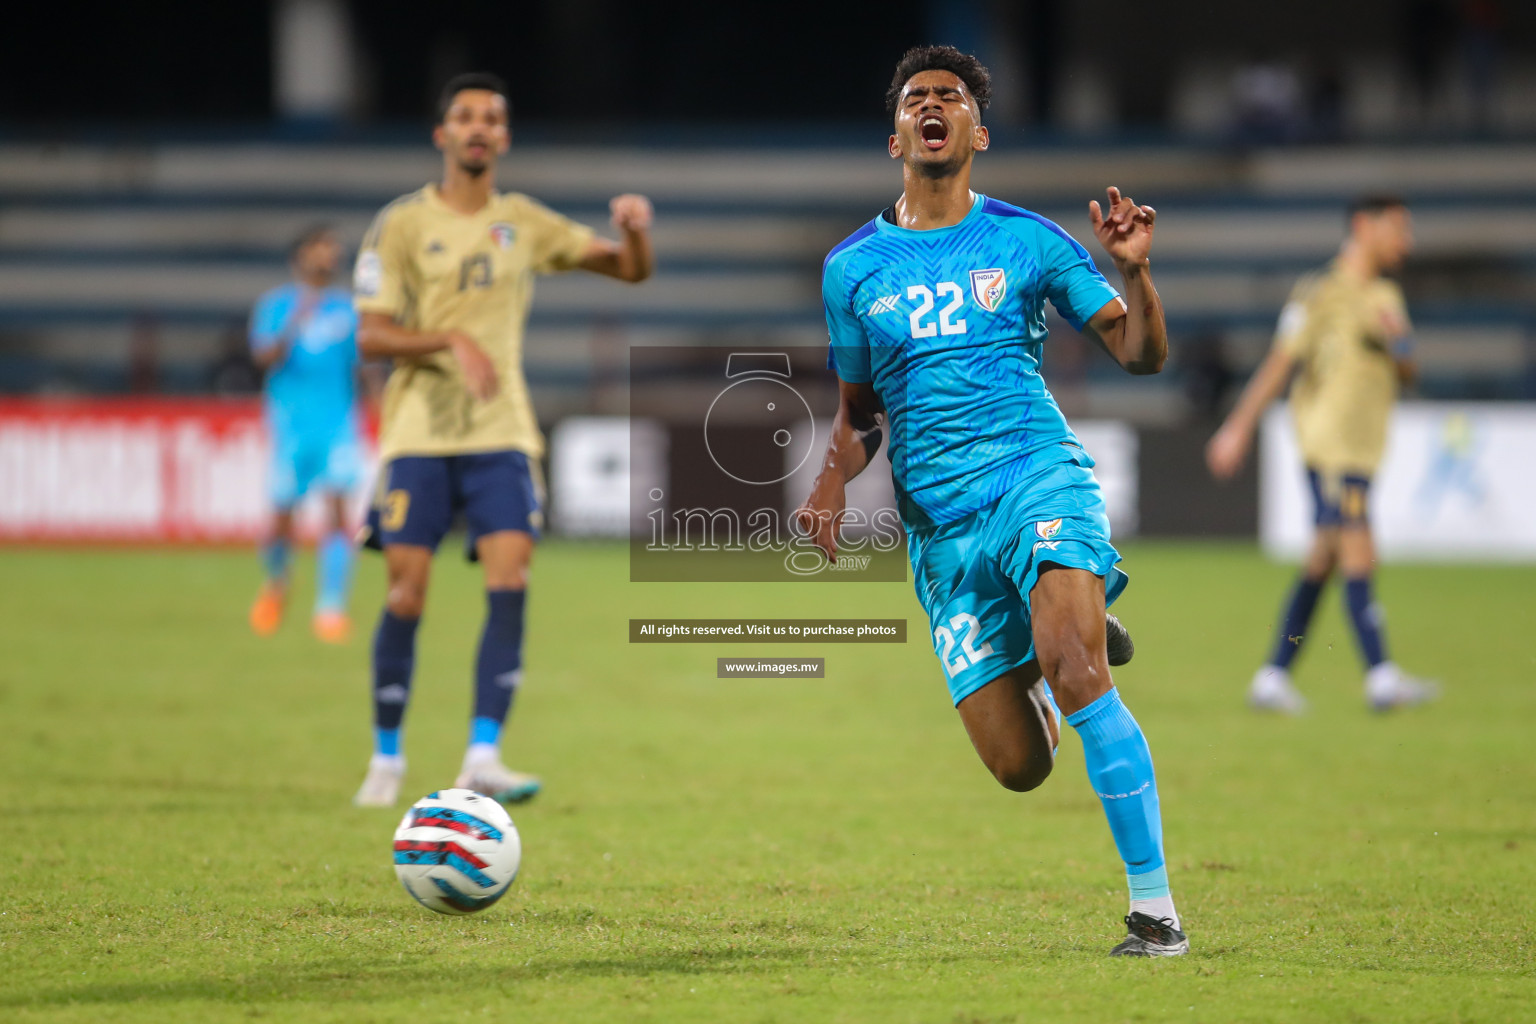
(132, 267)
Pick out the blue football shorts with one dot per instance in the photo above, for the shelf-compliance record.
(974, 576)
(330, 462)
(420, 496)
(1339, 499)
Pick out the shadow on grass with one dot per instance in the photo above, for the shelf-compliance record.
(343, 980)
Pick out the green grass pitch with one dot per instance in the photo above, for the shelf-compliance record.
(179, 845)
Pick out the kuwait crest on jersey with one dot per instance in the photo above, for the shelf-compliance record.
(988, 287)
(502, 234)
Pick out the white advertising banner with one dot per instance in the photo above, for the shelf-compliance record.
(595, 462)
(1458, 482)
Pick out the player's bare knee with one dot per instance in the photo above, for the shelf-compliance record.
(505, 557)
(406, 599)
(1357, 555)
(1078, 673)
(507, 578)
(1024, 772)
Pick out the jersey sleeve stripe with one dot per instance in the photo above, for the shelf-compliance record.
(999, 208)
(853, 239)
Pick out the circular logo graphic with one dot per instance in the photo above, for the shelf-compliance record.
(776, 433)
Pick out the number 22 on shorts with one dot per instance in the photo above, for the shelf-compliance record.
(967, 628)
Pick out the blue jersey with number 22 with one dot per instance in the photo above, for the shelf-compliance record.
(947, 325)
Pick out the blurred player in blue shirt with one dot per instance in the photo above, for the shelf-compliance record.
(304, 336)
(936, 312)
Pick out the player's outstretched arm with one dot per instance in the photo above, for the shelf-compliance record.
(632, 258)
(379, 337)
(1134, 332)
(1228, 447)
(856, 435)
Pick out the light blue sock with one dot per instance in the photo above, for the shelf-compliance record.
(276, 554)
(484, 737)
(335, 572)
(386, 742)
(485, 730)
(1120, 768)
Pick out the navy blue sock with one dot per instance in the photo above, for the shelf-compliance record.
(1298, 614)
(394, 659)
(1366, 616)
(499, 665)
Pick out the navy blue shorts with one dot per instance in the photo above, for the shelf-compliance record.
(422, 495)
(1339, 499)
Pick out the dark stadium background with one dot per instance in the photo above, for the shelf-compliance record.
(158, 65)
(135, 127)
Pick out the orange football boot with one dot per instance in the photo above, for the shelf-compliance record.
(333, 627)
(267, 611)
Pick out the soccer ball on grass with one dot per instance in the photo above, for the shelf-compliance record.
(457, 851)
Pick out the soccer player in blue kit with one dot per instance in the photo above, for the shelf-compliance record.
(304, 336)
(936, 314)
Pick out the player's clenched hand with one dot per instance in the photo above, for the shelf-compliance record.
(630, 212)
(820, 516)
(1125, 231)
(1225, 452)
(479, 371)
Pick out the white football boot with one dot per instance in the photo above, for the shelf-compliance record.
(1272, 691)
(381, 786)
(1388, 688)
(489, 777)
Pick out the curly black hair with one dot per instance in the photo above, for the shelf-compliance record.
(940, 58)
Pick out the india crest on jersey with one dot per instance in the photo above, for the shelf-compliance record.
(989, 287)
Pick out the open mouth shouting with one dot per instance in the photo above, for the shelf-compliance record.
(933, 130)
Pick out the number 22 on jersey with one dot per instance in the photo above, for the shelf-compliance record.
(926, 326)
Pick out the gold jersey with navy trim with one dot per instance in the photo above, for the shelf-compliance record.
(1340, 329)
(432, 268)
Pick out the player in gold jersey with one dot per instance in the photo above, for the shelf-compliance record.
(1346, 338)
(442, 286)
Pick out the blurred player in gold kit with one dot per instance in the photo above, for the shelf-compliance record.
(443, 284)
(1346, 337)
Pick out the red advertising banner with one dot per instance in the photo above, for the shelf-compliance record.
(133, 470)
